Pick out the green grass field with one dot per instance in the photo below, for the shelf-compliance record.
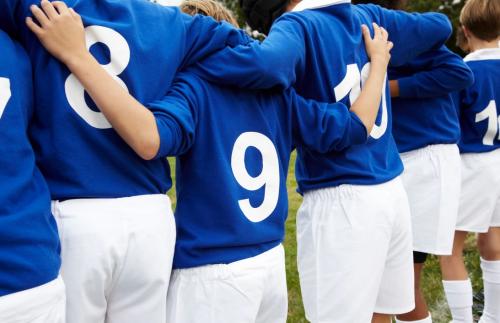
(432, 277)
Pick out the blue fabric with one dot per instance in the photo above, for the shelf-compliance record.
(205, 121)
(424, 113)
(313, 49)
(479, 125)
(29, 244)
(78, 159)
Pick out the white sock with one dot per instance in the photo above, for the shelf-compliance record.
(491, 278)
(459, 296)
(428, 319)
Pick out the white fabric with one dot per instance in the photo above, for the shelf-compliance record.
(355, 252)
(247, 291)
(428, 319)
(116, 258)
(432, 181)
(317, 4)
(459, 297)
(480, 197)
(483, 54)
(491, 279)
(43, 304)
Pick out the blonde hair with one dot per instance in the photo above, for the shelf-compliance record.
(482, 18)
(210, 8)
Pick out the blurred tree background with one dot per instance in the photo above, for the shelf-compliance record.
(451, 8)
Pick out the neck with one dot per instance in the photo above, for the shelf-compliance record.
(477, 44)
(292, 5)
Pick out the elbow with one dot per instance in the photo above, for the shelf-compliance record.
(446, 28)
(148, 149)
(468, 78)
(439, 28)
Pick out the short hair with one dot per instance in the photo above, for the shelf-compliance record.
(389, 4)
(209, 8)
(482, 18)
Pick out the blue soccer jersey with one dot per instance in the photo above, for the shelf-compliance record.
(479, 105)
(235, 148)
(140, 43)
(424, 113)
(320, 48)
(29, 243)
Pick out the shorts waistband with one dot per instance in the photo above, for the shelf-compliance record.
(147, 204)
(431, 149)
(31, 301)
(349, 190)
(486, 157)
(272, 257)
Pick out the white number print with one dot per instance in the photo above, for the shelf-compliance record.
(120, 58)
(5, 94)
(490, 114)
(351, 85)
(269, 177)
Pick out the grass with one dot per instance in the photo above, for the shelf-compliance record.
(431, 277)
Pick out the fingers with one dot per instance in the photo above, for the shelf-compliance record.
(61, 7)
(49, 9)
(366, 33)
(390, 45)
(385, 34)
(377, 32)
(33, 26)
(75, 15)
(39, 15)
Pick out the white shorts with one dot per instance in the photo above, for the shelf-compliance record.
(480, 199)
(248, 291)
(42, 304)
(355, 253)
(116, 258)
(432, 180)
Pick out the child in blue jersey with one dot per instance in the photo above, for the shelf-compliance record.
(30, 287)
(115, 221)
(354, 225)
(479, 210)
(426, 130)
(232, 200)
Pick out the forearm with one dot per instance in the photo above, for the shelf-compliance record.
(367, 105)
(131, 120)
(394, 87)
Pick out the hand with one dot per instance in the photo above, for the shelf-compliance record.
(378, 47)
(59, 29)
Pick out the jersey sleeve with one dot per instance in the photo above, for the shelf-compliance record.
(412, 33)
(260, 65)
(445, 72)
(325, 127)
(205, 36)
(176, 117)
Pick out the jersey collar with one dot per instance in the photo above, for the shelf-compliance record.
(483, 55)
(316, 4)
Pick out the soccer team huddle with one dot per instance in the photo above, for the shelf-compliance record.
(397, 142)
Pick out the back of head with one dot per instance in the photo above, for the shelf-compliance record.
(389, 4)
(482, 18)
(209, 8)
(261, 14)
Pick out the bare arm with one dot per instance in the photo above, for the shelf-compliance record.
(61, 32)
(367, 105)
